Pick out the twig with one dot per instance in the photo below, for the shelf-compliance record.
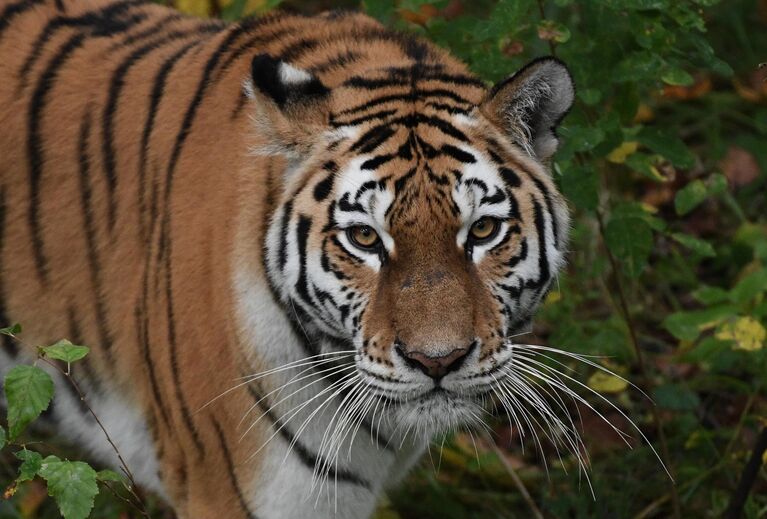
(516, 479)
(139, 504)
(747, 478)
(123, 464)
(641, 363)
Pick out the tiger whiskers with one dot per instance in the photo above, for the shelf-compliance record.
(313, 360)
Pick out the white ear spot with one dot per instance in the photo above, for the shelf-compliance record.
(291, 75)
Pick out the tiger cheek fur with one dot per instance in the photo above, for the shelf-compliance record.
(340, 214)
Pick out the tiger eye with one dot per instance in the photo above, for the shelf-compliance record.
(484, 228)
(363, 236)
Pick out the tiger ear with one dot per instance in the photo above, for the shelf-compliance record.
(530, 104)
(292, 106)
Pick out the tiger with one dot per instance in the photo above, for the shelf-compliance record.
(298, 246)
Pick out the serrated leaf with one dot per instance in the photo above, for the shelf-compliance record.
(696, 245)
(109, 475)
(11, 330)
(676, 397)
(72, 484)
(3, 438)
(65, 351)
(28, 391)
(630, 240)
(30, 466)
(606, 383)
(747, 333)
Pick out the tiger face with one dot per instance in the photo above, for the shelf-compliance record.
(420, 227)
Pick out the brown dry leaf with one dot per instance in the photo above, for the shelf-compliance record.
(453, 10)
(701, 87)
(425, 13)
(739, 166)
(512, 48)
(35, 495)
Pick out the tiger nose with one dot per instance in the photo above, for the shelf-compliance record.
(435, 366)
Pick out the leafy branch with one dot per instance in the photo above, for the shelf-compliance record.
(29, 391)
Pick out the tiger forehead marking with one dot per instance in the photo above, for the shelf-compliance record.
(365, 223)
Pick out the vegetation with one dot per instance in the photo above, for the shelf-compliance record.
(664, 161)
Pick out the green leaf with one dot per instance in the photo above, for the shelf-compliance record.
(630, 239)
(646, 165)
(65, 351)
(696, 245)
(676, 397)
(687, 326)
(3, 438)
(668, 145)
(677, 76)
(11, 330)
(72, 484)
(31, 463)
(28, 390)
(109, 475)
(690, 196)
(709, 295)
(749, 287)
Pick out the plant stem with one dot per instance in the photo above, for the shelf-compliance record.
(516, 479)
(747, 478)
(123, 464)
(646, 382)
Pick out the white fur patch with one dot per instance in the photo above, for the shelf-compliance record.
(291, 75)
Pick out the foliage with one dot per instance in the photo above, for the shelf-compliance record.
(29, 390)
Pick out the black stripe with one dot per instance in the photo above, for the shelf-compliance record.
(110, 108)
(342, 59)
(142, 330)
(543, 260)
(414, 95)
(373, 138)
(230, 469)
(158, 90)
(94, 263)
(306, 457)
(104, 22)
(37, 107)
(549, 206)
(160, 25)
(14, 10)
(382, 114)
(186, 415)
(282, 252)
(458, 154)
(9, 346)
(323, 188)
(165, 249)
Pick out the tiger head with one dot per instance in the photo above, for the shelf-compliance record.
(419, 225)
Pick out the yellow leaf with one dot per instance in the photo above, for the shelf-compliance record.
(747, 332)
(606, 383)
(764, 457)
(553, 297)
(619, 154)
(200, 8)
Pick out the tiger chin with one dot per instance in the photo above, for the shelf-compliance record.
(299, 247)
